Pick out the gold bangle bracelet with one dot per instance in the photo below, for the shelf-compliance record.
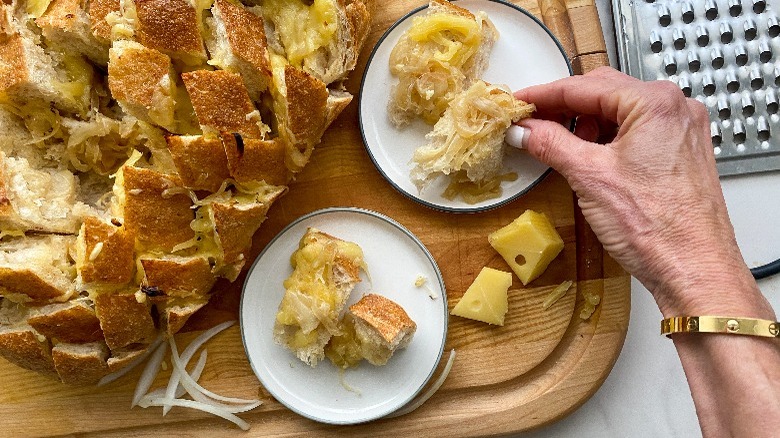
(721, 324)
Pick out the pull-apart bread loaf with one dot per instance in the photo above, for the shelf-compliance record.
(142, 143)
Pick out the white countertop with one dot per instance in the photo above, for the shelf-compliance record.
(646, 394)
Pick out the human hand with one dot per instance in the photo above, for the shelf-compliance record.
(651, 191)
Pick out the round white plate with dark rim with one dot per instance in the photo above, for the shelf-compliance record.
(525, 54)
(395, 259)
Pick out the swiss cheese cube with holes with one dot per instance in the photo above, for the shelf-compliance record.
(528, 244)
(486, 299)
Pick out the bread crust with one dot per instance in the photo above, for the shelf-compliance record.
(156, 220)
(307, 99)
(246, 39)
(124, 320)
(200, 161)
(256, 160)
(222, 102)
(178, 277)
(97, 10)
(170, 26)
(113, 264)
(137, 74)
(123, 357)
(13, 63)
(80, 364)
(22, 347)
(29, 283)
(175, 315)
(73, 322)
(384, 315)
(234, 226)
(450, 8)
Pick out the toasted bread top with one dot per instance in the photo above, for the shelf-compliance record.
(200, 161)
(124, 320)
(307, 98)
(29, 283)
(384, 315)
(73, 321)
(22, 347)
(235, 224)
(61, 14)
(178, 276)
(245, 34)
(359, 20)
(256, 160)
(13, 62)
(222, 102)
(136, 72)
(112, 262)
(175, 315)
(450, 8)
(170, 26)
(97, 10)
(80, 364)
(157, 218)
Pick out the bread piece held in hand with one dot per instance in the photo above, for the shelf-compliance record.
(470, 135)
(325, 270)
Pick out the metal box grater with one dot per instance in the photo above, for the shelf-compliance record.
(724, 53)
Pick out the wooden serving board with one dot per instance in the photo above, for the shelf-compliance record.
(537, 368)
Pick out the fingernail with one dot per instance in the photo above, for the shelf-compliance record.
(517, 136)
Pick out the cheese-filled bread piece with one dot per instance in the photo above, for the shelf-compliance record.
(322, 37)
(27, 348)
(172, 27)
(80, 364)
(124, 318)
(73, 321)
(251, 160)
(200, 161)
(68, 24)
(176, 276)
(104, 253)
(436, 58)
(237, 43)
(37, 269)
(143, 82)
(325, 271)
(374, 328)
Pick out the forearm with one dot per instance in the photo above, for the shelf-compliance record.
(734, 380)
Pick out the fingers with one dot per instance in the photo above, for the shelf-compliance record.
(597, 93)
(554, 145)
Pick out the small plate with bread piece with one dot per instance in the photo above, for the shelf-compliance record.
(435, 102)
(344, 316)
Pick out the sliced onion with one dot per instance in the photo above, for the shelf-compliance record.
(205, 407)
(180, 391)
(119, 373)
(432, 390)
(173, 383)
(194, 387)
(150, 372)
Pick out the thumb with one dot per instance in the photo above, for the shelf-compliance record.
(554, 145)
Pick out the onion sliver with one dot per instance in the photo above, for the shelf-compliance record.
(119, 373)
(187, 354)
(150, 372)
(180, 391)
(432, 390)
(193, 386)
(205, 407)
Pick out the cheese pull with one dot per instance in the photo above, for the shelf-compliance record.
(528, 244)
(486, 299)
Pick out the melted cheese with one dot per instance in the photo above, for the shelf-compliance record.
(344, 350)
(528, 244)
(302, 29)
(486, 299)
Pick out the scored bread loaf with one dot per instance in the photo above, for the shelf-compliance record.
(142, 143)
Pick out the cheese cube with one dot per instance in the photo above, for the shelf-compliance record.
(486, 298)
(528, 244)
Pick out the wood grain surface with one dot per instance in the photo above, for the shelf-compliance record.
(537, 368)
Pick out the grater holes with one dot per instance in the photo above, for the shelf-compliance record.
(693, 62)
(738, 130)
(710, 10)
(685, 86)
(715, 134)
(687, 13)
(759, 6)
(773, 27)
(702, 36)
(741, 55)
(655, 42)
(679, 39)
(777, 76)
(756, 79)
(724, 111)
(765, 52)
(670, 65)
(708, 85)
(748, 108)
(771, 102)
(762, 126)
(749, 26)
(735, 8)
(726, 33)
(717, 58)
(732, 86)
(664, 16)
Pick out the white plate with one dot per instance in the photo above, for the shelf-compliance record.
(525, 54)
(395, 257)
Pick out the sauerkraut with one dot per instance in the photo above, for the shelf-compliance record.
(470, 135)
(435, 60)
